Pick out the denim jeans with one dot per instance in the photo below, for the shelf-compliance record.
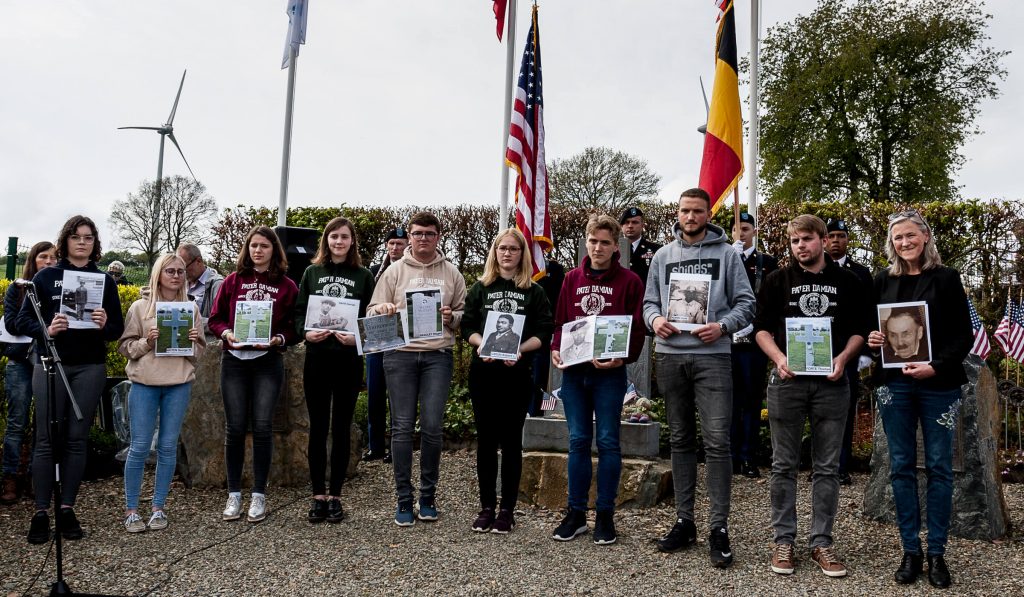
(417, 379)
(376, 402)
(250, 389)
(699, 384)
(87, 383)
(501, 396)
(790, 403)
(331, 382)
(18, 385)
(902, 404)
(749, 369)
(145, 403)
(593, 398)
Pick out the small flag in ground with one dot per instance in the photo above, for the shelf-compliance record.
(1016, 343)
(548, 403)
(981, 347)
(1002, 333)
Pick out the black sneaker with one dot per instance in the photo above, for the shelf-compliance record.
(371, 455)
(334, 512)
(317, 511)
(70, 528)
(682, 535)
(504, 523)
(721, 553)
(574, 523)
(484, 520)
(604, 528)
(39, 529)
(845, 478)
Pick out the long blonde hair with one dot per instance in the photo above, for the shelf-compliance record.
(523, 277)
(930, 257)
(162, 262)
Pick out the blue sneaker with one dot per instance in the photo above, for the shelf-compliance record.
(428, 511)
(403, 515)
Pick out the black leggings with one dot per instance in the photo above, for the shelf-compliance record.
(501, 396)
(331, 381)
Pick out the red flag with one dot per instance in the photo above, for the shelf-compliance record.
(499, 15)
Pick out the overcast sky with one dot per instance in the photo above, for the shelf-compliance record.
(397, 102)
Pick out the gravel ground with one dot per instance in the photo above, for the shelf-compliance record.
(367, 554)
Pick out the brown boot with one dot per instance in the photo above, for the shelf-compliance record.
(10, 491)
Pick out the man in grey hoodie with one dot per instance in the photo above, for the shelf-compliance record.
(694, 368)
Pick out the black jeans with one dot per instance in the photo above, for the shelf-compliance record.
(250, 389)
(501, 395)
(331, 381)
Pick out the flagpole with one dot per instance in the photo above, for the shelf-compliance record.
(510, 59)
(286, 153)
(755, 119)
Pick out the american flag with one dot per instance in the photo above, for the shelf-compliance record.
(981, 347)
(549, 401)
(1002, 333)
(525, 153)
(1016, 343)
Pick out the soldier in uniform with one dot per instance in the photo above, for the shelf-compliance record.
(643, 250)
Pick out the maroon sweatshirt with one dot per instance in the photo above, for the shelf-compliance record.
(615, 291)
(256, 286)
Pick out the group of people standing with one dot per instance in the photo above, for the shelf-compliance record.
(715, 372)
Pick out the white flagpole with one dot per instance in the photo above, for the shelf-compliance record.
(510, 59)
(755, 119)
(286, 154)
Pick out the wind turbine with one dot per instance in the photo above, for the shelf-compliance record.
(165, 131)
(703, 129)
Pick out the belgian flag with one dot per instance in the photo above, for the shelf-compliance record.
(722, 164)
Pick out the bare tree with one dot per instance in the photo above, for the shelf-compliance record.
(600, 178)
(186, 215)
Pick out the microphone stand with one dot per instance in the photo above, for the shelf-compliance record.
(52, 365)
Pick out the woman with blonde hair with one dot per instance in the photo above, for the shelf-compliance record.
(161, 387)
(922, 393)
(501, 389)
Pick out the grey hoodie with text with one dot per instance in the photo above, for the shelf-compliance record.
(731, 300)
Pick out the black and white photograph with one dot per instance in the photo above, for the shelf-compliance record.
(81, 294)
(330, 313)
(688, 300)
(423, 313)
(907, 334)
(503, 333)
(380, 333)
(577, 344)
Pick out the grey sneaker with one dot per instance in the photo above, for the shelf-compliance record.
(133, 523)
(257, 508)
(233, 509)
(158, 521)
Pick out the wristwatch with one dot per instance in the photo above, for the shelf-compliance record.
(725, 328)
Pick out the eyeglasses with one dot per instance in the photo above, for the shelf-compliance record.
(174, 271)
(512, 250)
(79, 238)
(420, 234)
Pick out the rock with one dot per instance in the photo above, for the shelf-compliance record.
(552, 433)
(545, 483)
(979, 511)
(201, 456)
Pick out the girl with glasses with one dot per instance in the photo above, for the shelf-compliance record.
(161, 387)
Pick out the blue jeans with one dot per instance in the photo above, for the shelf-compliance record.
(902, 404)
(699, 384)
(417, 379)
(144, 404)
(790, 403)
(18, 383)
(593, 398)
(250, 389)
(376, 402)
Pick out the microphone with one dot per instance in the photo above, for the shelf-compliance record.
(23, 283)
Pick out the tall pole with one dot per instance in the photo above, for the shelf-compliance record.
(154, 235)
(510, 59)
(755, 120)
(286, 154)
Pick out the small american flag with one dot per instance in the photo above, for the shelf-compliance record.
(1016, 343)
(1002, 333)
(548, 403)
(981, 347)
(525, 153)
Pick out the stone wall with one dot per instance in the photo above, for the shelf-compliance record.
(202, 432)
(979, 511)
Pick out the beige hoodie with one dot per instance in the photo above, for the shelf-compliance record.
(406, 274)
(145, 368)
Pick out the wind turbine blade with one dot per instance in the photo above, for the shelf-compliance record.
(170, 119)
(145, 128)
(175, 141)
(707, 108)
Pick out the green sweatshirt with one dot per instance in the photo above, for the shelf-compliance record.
(504, 297)
(337, 281)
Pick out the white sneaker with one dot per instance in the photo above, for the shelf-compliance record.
(257, 507)
(233, 509)
(158, 521)
(133, 523)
